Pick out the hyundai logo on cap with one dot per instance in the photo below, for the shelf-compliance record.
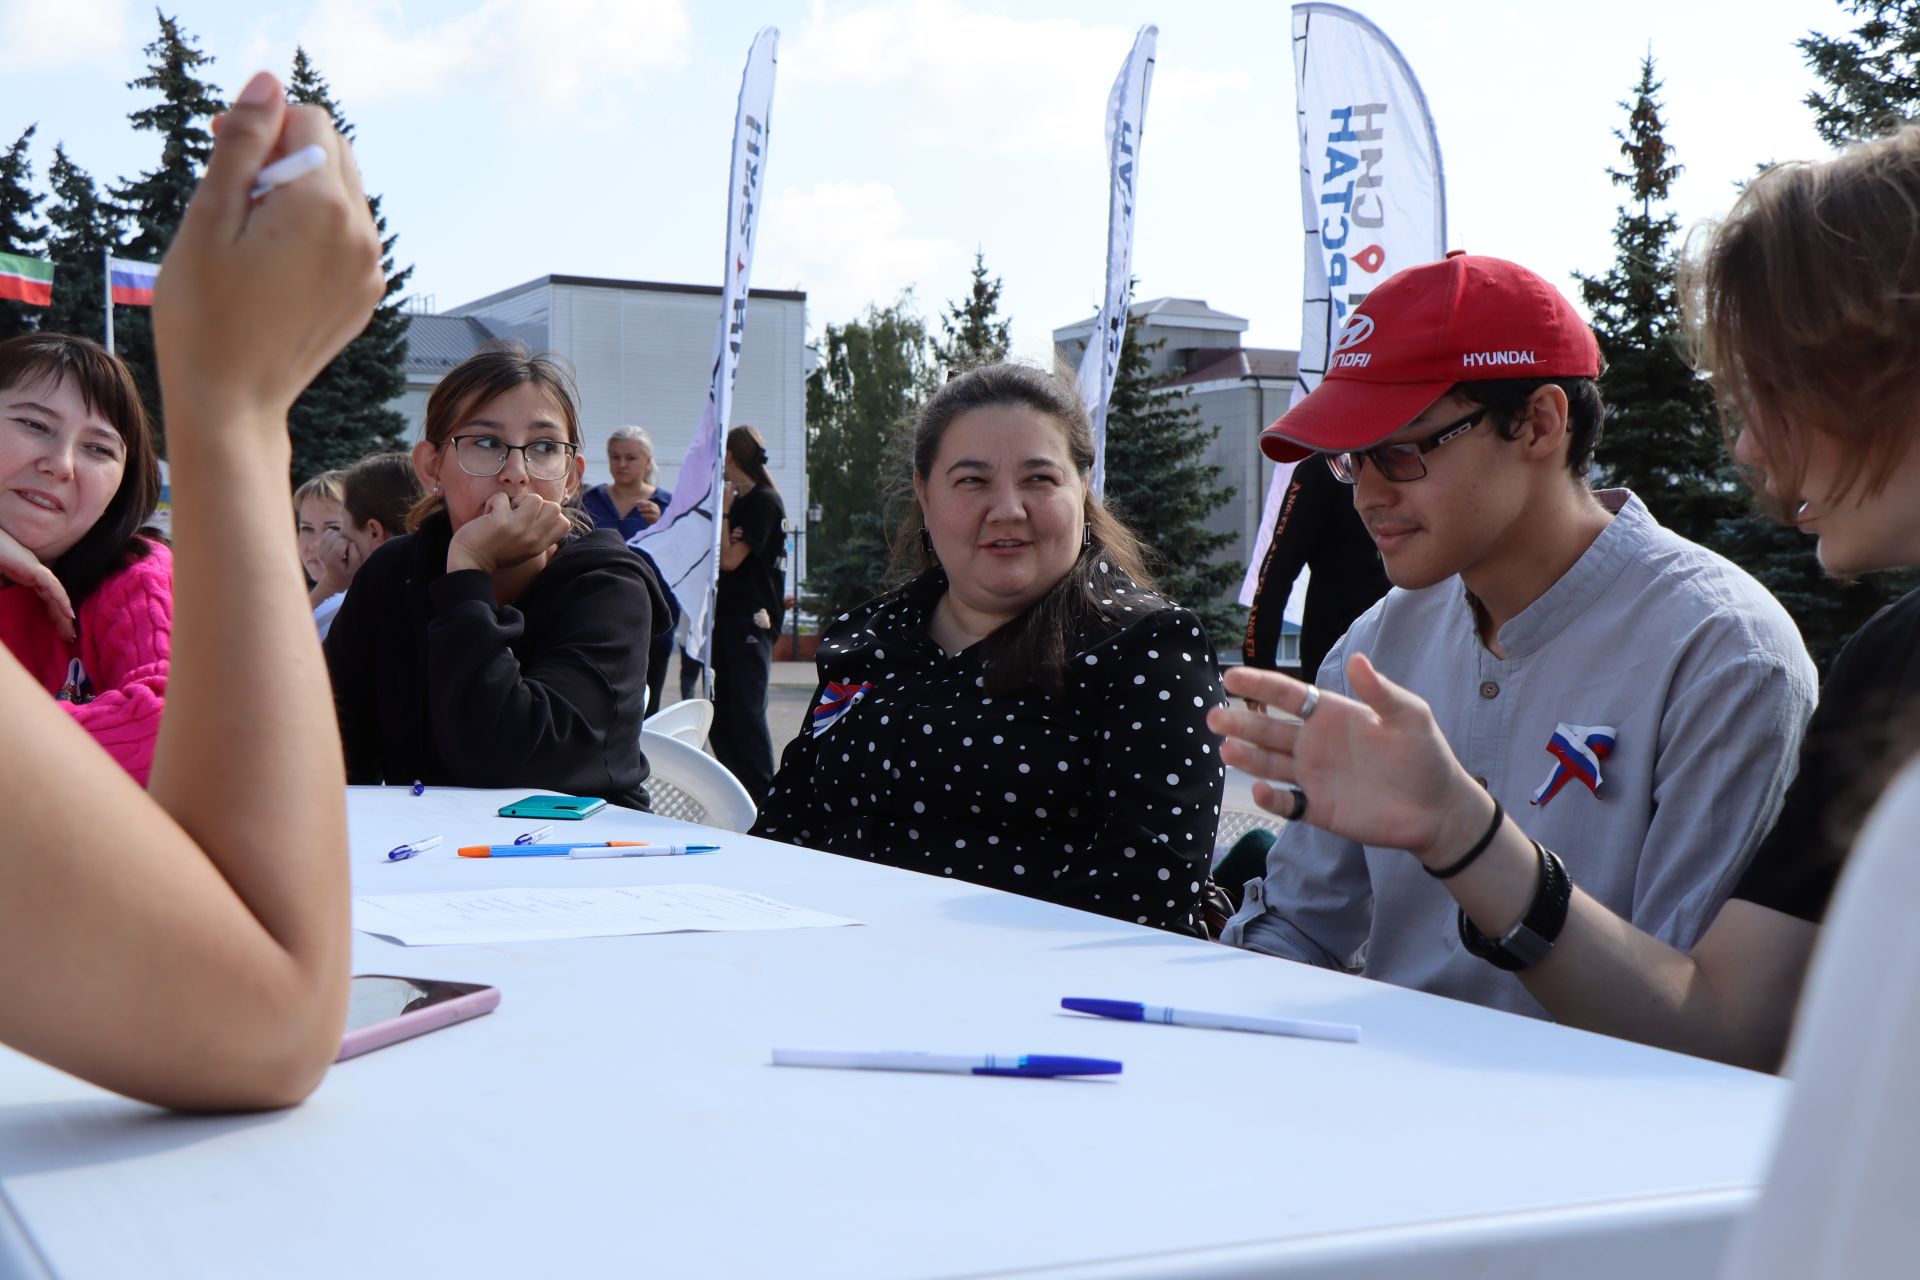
(1426, 329)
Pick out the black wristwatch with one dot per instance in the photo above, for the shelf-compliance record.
(1528, 942)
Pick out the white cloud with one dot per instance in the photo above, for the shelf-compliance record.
(543, 54)
(847, 244)
(46, 37)
(986, 82)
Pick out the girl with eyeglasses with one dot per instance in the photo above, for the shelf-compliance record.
(494, 644)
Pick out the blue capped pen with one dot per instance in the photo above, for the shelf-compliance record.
(413, 848)
(1035, 1066)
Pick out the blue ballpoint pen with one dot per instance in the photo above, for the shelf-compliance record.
(1031, 1065)
(534, 836)
(401, 852)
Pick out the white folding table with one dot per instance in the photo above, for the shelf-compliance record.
(618, 1116)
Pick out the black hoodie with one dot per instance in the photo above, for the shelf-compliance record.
(435, 682)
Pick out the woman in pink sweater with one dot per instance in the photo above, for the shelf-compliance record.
(86, 605)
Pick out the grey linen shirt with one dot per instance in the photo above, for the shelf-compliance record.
(1697, 668)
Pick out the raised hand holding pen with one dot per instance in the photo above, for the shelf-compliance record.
(171, 889)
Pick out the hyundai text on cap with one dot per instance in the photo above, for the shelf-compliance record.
(1462, 319)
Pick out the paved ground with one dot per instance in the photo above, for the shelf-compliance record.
(792, 685)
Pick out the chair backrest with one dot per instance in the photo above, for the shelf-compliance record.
(689, 784)
(688, 720)
(1235, 823)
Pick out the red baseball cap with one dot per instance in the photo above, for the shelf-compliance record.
(1462, 319)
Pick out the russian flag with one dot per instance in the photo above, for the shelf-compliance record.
(132, 282)
(1578, 750)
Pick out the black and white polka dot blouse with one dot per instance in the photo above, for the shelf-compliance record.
(1105, 797)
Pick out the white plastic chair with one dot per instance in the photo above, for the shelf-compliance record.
(691, 785)
(688, 720)
(1235, 823)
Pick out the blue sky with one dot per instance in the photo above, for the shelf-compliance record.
(512, 138)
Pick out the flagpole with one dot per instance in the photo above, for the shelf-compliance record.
(106, 283)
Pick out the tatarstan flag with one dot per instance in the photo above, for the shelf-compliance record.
(27, 280)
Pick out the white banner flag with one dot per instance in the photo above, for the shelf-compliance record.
(1126, 114)
(685, 541)
(1372, 193)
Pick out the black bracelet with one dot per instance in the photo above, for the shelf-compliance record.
(1451, 870)
(1530, 941)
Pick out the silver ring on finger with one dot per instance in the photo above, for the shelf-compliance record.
(1308, 707)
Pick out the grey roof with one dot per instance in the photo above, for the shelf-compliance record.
(438, 343)
(1209, 364)
(1193, 312)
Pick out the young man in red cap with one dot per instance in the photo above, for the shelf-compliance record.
(1620, 692)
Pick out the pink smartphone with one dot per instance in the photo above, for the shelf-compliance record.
(383, 1009)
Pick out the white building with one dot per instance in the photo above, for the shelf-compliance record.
(1238, 389)
(642, 353)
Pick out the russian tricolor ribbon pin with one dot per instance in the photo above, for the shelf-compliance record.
(836, 701)
(1577, 750)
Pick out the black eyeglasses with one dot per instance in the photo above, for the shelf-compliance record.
(1399, 462)
(482, 455)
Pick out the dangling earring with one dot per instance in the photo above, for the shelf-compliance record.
(1086, 536)
(926, 541)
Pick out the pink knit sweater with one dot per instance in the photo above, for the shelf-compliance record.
(119, 684)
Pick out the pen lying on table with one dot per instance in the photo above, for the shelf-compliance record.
(1128, 1011)
(592, 849)
(1033, 1065)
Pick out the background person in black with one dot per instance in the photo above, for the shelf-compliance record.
(1318, 530)
(1025, 713)
(498, 644)
(747, 613)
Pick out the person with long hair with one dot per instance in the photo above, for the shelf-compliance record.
(500, 642)
(86, 603)
(1026, 712)
(189, 945)
(747, 612)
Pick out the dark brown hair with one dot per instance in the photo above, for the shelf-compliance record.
(1803, 306)
(484, 377)
(107, 389)
(748, 449)
(1032, 648)
(1508, 399)
(383, 487)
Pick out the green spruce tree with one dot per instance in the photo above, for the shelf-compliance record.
(976, 334)
(344, 415)
(1159, 482)
(18, 230)
(1662, 436)
(155, 202)
(873, 373)
(82, 226)
(1872, 75)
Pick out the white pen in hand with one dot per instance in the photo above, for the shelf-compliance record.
(288, 167)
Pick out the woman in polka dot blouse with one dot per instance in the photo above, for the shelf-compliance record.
(1025, 713)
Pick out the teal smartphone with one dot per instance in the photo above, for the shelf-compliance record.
(553, 807)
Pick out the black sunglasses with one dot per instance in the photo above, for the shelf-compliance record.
(1399, 462)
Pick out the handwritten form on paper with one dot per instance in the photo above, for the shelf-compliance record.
(478, 916)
